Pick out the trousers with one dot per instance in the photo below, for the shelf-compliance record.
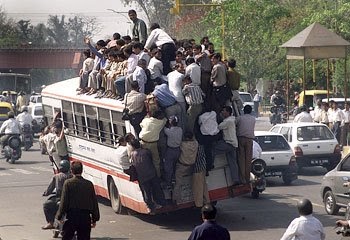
(77, 221)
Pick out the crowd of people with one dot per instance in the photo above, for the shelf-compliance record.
(329, 114)
(176, 94)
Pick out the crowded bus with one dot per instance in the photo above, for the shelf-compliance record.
(93, 129)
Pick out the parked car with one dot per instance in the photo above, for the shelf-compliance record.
(278, 156)
(36, 110)
(313, 144)
(247, 99)
(333, 192)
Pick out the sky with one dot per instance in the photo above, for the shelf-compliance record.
(38, 11)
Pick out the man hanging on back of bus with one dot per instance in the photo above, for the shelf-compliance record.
(147, 177)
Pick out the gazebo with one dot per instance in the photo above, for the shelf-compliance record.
(316, 42)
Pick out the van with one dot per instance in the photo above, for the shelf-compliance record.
(311, 97)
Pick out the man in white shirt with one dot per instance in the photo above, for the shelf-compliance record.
(345, 123)
(175, 86)
(337, 118)
(155, 66)
(304, 116)
(10, 126)
(229, 143)
(137, 48)
(305, 227)
(139, 75)
(194, 71)
(24, 117)
(163, 41)
(256, 101)
(318, 111)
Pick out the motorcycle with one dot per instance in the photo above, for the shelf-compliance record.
(12, 150)
(257, 177)
(27, 136)
(279, 114)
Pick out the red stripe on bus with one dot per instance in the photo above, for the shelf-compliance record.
(110, 172)
(80, 100)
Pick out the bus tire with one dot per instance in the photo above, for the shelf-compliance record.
(115, 197)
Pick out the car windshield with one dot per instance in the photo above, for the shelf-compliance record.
(272, 143)
(4, 110)
(38, 111)
(314, 133)
(246, 97)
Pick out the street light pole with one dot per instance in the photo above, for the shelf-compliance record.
(122, 14)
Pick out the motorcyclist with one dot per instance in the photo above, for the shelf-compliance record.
(51, 205)
(9, 127)
(24, 117)
(278, 100)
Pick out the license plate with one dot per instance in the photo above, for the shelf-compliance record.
(319, 161)
(267, 174)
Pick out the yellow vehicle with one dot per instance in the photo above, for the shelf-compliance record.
(5, 107)
(311, 97)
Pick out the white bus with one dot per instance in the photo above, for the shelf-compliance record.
(94, 126)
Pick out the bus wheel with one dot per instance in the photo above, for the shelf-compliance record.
(114, 197)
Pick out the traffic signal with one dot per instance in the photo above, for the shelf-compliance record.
(176, 9)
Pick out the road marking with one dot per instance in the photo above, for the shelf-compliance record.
(42, 169)
(23, 171)
(5, 174)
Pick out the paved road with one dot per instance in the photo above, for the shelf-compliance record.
(21, 213)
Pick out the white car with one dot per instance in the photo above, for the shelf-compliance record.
(313, 144)
(36, 110)
(247, 99)
(278, 156)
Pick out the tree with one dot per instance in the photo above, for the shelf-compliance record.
(8, 33)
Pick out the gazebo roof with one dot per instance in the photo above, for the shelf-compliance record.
(315, 35)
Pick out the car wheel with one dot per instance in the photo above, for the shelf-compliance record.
(330, 203)
(287, 179)
(115, 197)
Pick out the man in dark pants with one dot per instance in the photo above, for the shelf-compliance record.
(209, 229)
(79, 204)
(51, 204)
(163, 41)
(141, 159)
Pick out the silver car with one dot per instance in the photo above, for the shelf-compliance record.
(333, 193)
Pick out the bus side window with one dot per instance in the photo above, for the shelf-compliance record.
(92, 124)
(67, 115)
(79, 119)
(118, 125)
(105, 129)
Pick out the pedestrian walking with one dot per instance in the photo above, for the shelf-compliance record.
(78, 205)
(209, 229)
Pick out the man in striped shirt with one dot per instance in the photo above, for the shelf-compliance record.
(194, 98)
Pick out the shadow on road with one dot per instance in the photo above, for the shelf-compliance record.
(24, 162)
(108, 238)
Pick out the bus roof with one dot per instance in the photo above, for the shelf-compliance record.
(66, 90)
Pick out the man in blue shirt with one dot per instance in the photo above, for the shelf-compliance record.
(164, 96)
(209, 229)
